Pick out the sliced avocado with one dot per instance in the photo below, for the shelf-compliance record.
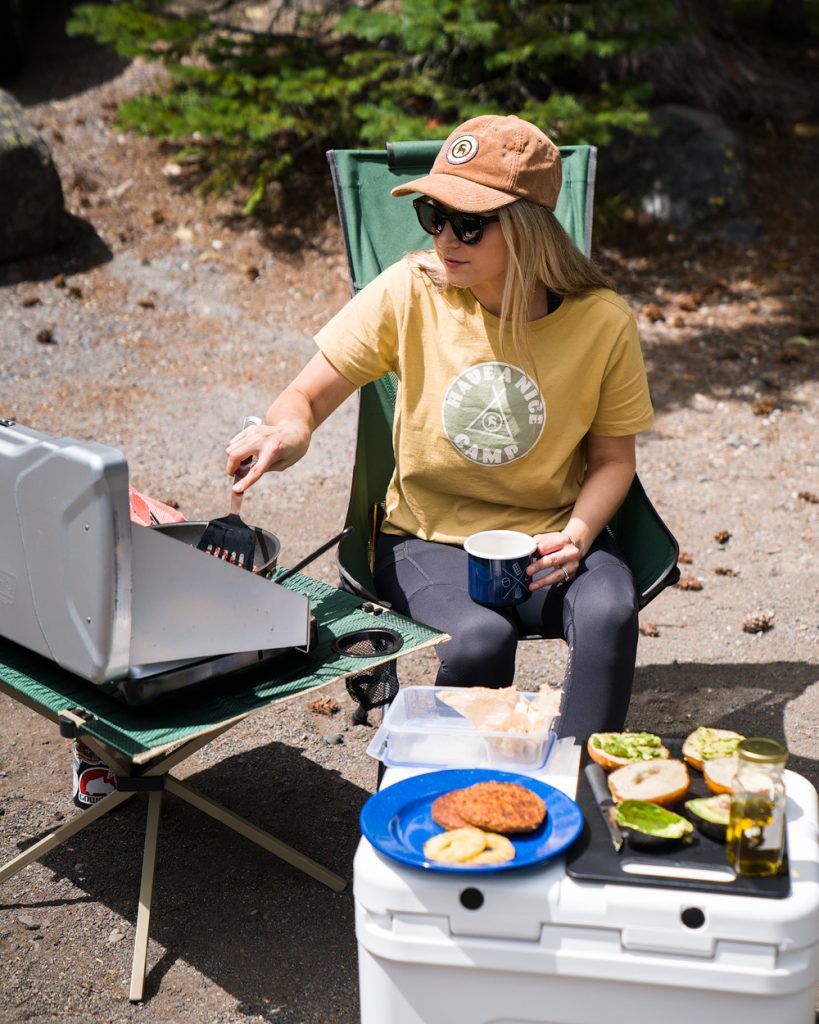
(714, 744)
(636, 746)
(710, 814)
(649, 823)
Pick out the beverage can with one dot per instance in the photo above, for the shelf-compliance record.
(92, 779)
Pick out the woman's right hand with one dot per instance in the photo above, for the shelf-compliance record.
(272, 447)
(304, 404)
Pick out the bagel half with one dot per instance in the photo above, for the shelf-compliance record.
(704, 744)
(614, 749)
(719, 773)
(663, 781)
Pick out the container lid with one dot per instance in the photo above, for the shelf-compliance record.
(420, 729)
(759, 750)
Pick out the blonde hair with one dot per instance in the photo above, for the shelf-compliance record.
(540, 252)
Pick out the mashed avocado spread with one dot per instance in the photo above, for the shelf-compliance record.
(636, 746)
(715, 743)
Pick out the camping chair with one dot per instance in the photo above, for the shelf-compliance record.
(378, 231)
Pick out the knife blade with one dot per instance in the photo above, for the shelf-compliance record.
(596, 778)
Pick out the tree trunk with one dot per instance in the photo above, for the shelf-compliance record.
(712, 68)
(787, 20)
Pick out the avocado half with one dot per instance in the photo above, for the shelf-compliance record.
(648, 824)
(710, 814)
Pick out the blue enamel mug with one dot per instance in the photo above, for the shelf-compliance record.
(497, 566)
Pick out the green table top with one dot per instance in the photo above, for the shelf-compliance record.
(142, 733)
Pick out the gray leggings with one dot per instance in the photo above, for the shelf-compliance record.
(595, 613)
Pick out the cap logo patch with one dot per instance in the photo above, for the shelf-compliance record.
(462, 150)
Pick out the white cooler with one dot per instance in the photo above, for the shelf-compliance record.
(544, 948)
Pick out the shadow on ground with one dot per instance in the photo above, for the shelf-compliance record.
(732, 364)
(247, 921)
(80, 249)
(58, 65)
(750, 698)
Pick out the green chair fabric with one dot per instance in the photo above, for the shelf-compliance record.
(378, 230)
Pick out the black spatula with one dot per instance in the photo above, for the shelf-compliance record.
(229, 537)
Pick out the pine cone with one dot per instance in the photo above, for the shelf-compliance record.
(759, 623)
(724, 570)
(722, 536)
(688, 583)
(654, 313)
(764, 406)
(648, 629)
(323, 706)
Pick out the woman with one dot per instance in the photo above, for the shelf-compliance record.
(522, 390)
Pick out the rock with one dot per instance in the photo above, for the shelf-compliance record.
(702, 403)
(744, 230)
(694, 169)
(28, 922)
(31, 196)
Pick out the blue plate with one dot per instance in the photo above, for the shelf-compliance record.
(398, 821)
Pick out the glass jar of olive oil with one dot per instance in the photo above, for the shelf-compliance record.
(756, 827)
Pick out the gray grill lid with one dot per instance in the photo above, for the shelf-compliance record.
(82, 585)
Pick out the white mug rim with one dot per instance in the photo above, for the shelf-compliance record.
(527, 545)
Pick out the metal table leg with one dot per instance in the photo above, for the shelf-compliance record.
(146, 891)
(60, 835)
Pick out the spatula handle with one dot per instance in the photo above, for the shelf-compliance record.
(241, 472)
(236, 499)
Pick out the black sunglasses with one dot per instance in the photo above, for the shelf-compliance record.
(468, 227)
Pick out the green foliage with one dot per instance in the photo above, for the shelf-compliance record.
(253, 109)
(138, 28)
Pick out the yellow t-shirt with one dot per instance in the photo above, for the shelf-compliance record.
(483, 437)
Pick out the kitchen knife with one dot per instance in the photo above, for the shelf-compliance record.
(596, 778)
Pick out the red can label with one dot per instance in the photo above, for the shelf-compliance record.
(92, 778)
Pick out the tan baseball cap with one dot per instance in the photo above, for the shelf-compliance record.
(489, 162)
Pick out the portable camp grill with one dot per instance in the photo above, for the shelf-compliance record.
(126, 607)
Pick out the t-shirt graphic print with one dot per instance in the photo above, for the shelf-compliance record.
(493, 413)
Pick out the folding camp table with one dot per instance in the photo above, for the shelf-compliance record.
(143, 746)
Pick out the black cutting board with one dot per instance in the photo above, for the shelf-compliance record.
(592, 858)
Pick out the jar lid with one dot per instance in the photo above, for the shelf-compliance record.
(762, 751)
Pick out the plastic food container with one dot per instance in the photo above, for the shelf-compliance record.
(420, 729)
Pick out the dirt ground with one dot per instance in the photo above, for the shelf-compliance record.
(155, 330)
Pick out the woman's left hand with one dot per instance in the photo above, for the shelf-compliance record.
(557, 562)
